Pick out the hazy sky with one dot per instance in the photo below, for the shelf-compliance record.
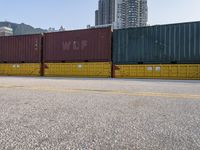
(74, 14)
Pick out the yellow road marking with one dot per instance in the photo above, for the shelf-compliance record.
(97, 91)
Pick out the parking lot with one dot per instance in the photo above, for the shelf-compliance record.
(74, 113)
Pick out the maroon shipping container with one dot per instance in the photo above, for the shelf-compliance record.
(89, 45)
(19, 49)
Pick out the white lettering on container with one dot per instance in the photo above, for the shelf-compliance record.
(74, 45)
(83, 44)
(66, 45)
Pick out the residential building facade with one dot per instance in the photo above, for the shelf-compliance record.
(122, 13)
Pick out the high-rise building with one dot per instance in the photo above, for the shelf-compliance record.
(143, 13)
(105, 13)
(6, 31)
(96, 17)
(131, 13)
(122, 13)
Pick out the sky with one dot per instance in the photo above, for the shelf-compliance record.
(76, 14)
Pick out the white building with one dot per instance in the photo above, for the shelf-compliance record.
(130, 13)
(123, 13)
(6, 31)
(143, 13)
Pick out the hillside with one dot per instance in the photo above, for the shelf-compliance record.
(20, 29)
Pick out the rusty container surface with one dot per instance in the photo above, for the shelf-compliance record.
(20, 49)
(88, 45)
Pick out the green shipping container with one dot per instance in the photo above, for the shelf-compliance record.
(166, 44)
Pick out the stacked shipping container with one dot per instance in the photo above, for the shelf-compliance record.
(164, 51)
(20, 55)
(177, 44)
(78, 53)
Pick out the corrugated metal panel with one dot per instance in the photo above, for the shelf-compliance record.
(181, 71)
(175, 43)
(97, 69)
(90, 45)
(20, 69)
(1, 54)
(17, 49)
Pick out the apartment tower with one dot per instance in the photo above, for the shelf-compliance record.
(122, 13)
(105, 13)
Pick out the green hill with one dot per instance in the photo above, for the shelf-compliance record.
(21, 29)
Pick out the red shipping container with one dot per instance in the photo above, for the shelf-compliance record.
(19, 49)
(89, 45)
(1, 58)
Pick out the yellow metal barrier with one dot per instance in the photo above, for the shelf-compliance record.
(96, 69)
(175, 71)
(20, 69)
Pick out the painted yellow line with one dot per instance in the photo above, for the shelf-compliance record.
(99, 91)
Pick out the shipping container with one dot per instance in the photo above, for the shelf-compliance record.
(94, 69)
(164, 71)
(166, 44)
(89, 45)
(20, 49)
(1, 55)
(24, 69)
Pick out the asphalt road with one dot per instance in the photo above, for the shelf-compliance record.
(68, 113)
